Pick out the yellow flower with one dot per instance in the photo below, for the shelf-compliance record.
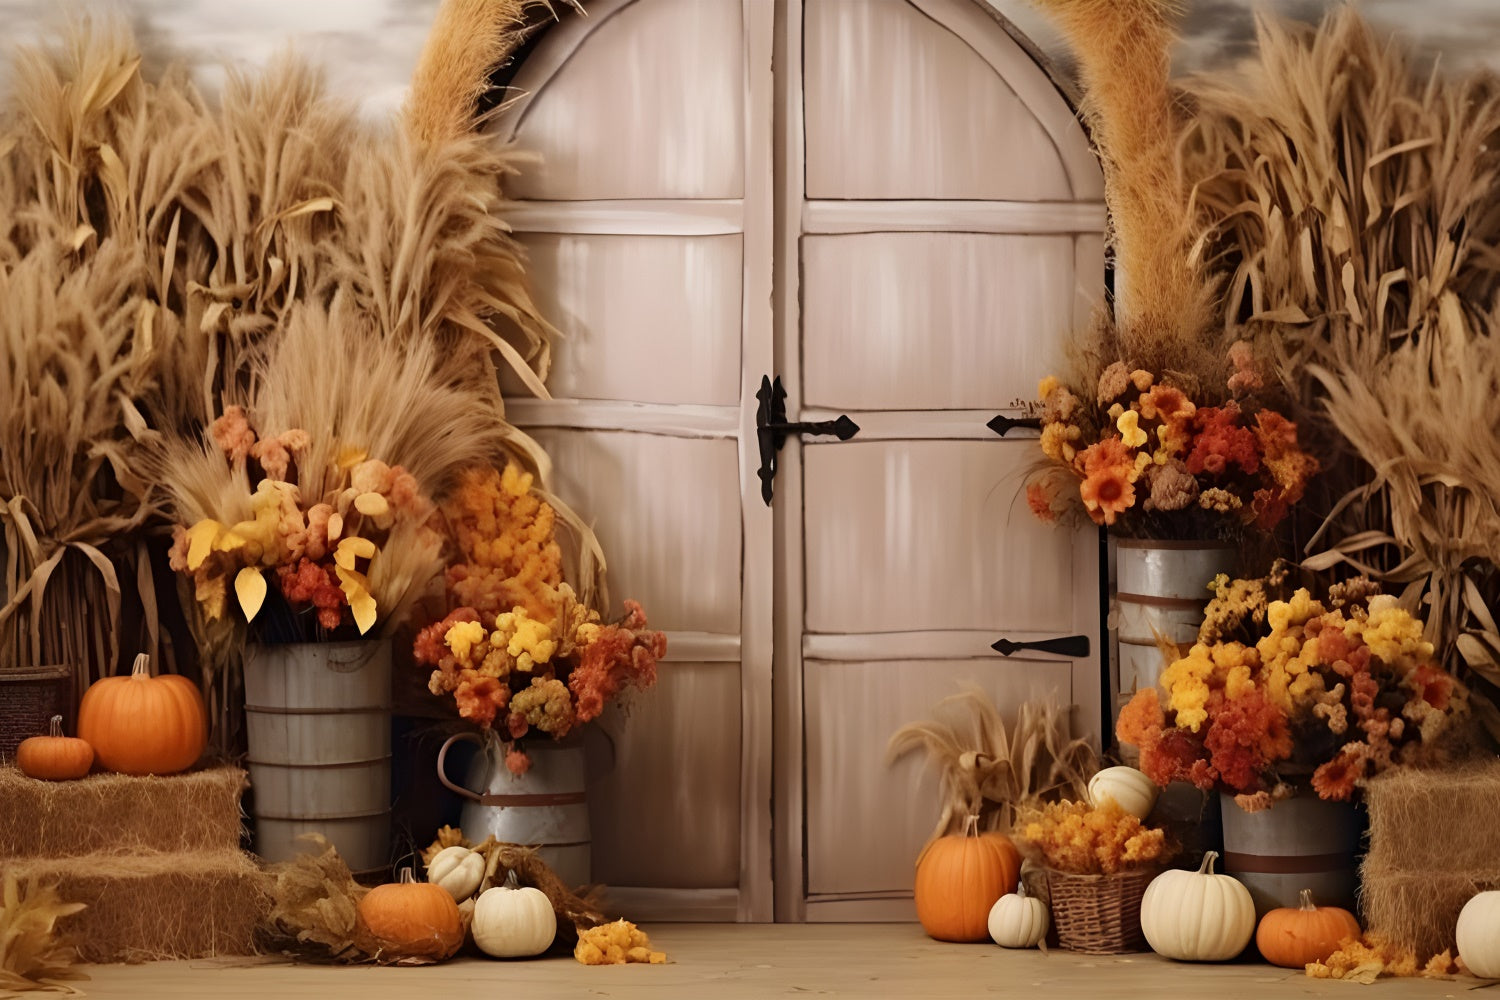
(1059, 442)
(462, 637)
(1186, 681)
(530, 641)
(1129, 424)
(1047, 386)
(1141, 379)
(1115, 411)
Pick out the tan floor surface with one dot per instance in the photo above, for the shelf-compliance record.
(750, 962)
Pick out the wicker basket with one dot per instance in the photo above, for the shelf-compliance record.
(28, 700)
(1099, 914)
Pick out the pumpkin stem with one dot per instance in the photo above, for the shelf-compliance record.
(406, 877)
(1307, 901)
(56, 725)
(142, 666)
(1209, 857)
(971, 825)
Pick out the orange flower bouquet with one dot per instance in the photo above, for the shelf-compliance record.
(1342, 688)
(1139, 454)
(519, 651)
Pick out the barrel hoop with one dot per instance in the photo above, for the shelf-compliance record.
(1285, 864)
(324, 819)
(540, 799)
(1150, 643)
(1183, 603)
(320, 767)
(364, 710)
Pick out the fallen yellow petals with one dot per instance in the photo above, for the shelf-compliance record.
(356, 587)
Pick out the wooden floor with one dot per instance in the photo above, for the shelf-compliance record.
(753, 962)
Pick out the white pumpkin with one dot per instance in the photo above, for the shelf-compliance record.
(1018, 920)
(513, 923)
(458, 870)
(1479, 935)
(1135, 792)
(1197, 916)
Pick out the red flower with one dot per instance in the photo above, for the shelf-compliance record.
(1220, 442)
(1434, 685)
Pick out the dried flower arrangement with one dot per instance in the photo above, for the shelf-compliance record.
(1139, 455)
(1341, 688)
(1165, 427)
(519, 651)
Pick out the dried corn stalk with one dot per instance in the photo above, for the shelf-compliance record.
(989, 770)
(34, 955)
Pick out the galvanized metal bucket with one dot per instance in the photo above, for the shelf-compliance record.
(318, 720)
(1303, 842)
(546, 808)
(1161, 589)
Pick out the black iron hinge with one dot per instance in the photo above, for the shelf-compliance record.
(1073, 646)
(1003, 425)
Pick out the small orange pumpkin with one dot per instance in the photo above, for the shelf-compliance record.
(142, 724)
(1291, 937)
(55, 757)
(411, 919)
(959, 878)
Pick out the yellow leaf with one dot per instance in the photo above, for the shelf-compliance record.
(353, 548)
(350, 456)
(229, 541)
(356, 587)
(335, 526)
(201, 538)
(371, 504)
(250, 588)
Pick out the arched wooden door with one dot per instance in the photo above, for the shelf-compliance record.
(887, 204)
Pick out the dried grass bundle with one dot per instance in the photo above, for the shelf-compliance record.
(1164, 316)
(1355, 205)
(990, 770)
(313, 913)
(34, 955)
(155, 250)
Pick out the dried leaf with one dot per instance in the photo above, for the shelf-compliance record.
(250, 588)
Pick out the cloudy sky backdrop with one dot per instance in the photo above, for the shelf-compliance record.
(370, 46)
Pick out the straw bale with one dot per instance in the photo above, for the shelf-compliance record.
(1419, 909)
(116, 813)
(1406, 805)
(152, 907)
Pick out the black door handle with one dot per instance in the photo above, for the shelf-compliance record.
(1003, 425)
(772, 429)
(1073, 646)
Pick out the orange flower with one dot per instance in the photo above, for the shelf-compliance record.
(1040, 502)
(1107, 453)
(1108, 493)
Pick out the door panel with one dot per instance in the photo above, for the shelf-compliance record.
(898, 106)
(665, 805)
(649, 105)
(909, 321)
(605, 294)
(866, 820)
(920, 535)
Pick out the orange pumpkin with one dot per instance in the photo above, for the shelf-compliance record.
(959, 878)
(142, 724)
(411, 919)
(55, 757)
(1293, 936)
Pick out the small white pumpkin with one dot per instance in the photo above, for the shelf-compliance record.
(1479, 935)
(458, 870)
(1197, 916)
(1135, 792)
(513, 923)
(1018, 920)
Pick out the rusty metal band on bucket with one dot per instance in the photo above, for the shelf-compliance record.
(1285, 864)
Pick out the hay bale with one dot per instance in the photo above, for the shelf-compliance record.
(1406, 805)
(1414, 885)
(150, 907)
(116, 813)
(1418, 910)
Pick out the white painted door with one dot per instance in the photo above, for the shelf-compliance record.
(942, 236)
(931, 232)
